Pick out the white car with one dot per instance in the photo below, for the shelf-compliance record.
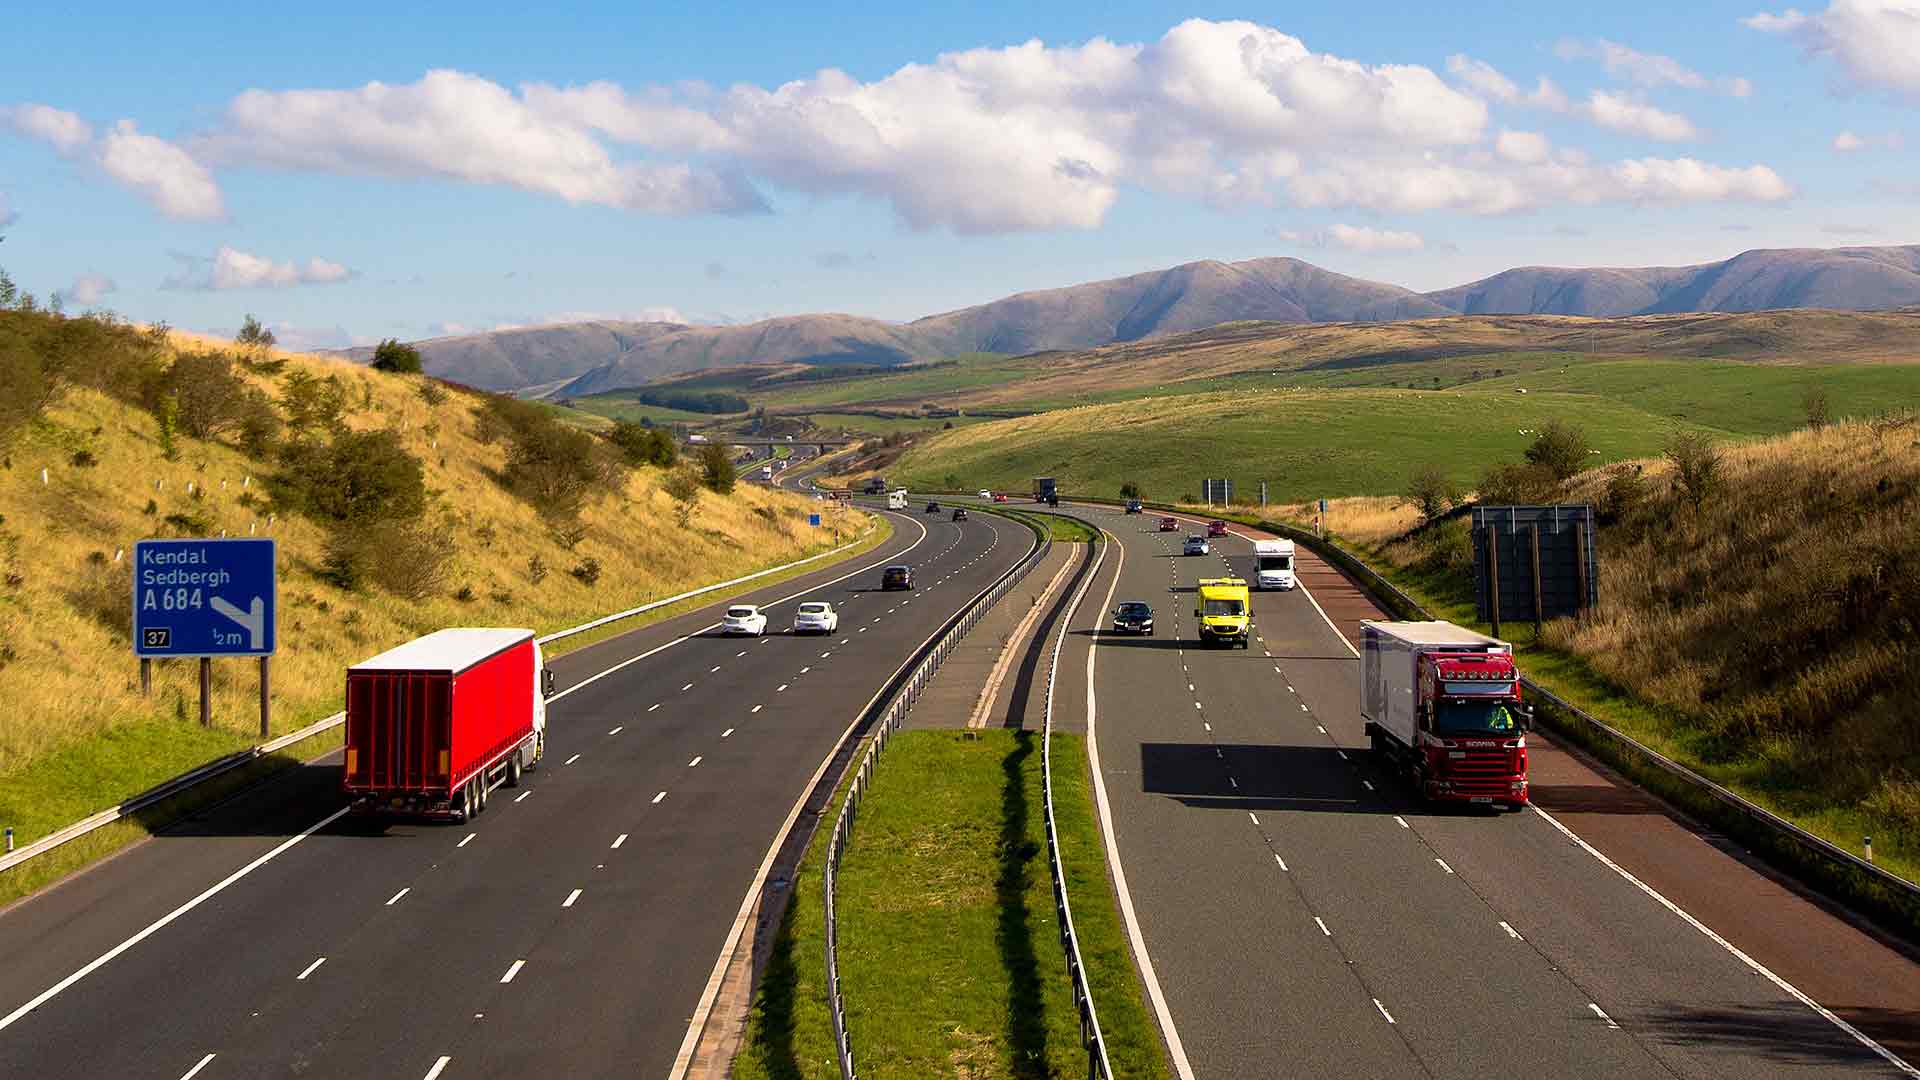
(744, 619)
(985, 494)
(815, 617)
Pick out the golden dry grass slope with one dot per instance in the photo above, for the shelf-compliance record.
(75, 733)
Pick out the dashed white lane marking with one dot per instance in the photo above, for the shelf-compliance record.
(1443, 865)
(1254, 816)
(1290, 688)
(806, 669)
(658, 797)
(863, 630)
(1323, 926)
(309, 969)
(1303, 708)
(571, 760)
(1189, 688)
(826, 654)
(726, 733)
(1343, 755)
(695, 762)
(1402, 821)
(652, 707)
(1511, 932)
(1206, 725)
(195, 1071)
(1383, 1011)
(843, 641)
(571, 897)
(779, 689)
(757, 708)
(618, 730)
(686, 688)
(1196, 704)
(1602, 1014)
(438, 1067)
(512, 970)
(713, 669)
(396, 896)
(1281, 861)
(740, 654)
(468, 840)
(1235, 784)
(1368, 783)
(522, 796)
(1323, 730)
(618, 840)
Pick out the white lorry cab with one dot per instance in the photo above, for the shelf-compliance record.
(1273, 562)
(897, 499)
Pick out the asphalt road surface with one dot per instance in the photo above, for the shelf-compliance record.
(567, 931)
(1304, 917)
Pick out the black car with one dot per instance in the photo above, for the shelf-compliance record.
(1133, 506)
(932, 507)
(959, 513)
(896, 577)
(1133, 617)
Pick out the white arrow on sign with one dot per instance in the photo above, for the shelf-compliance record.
(255, 620)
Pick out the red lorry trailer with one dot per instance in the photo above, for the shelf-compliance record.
(437, 723)
(1443, 703)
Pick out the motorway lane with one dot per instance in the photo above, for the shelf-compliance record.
(610, 980)
(1494, 945)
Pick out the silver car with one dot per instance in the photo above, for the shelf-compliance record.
(815, 617)
(1197, 545)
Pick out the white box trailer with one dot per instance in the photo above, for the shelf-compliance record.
(1443, 703)
(1273, 564)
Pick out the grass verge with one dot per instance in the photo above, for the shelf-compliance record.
(950, 956)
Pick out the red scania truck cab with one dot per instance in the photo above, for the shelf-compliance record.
(1442, 703)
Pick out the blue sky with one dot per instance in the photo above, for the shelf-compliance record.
(363, 171)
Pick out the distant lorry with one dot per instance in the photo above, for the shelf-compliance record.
(1045, 491)
(435, 724)
(876, 486)
(1273, 564)
(1223, 609)
(897, 499)
(1442, 703)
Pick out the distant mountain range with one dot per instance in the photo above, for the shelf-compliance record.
(583, 358)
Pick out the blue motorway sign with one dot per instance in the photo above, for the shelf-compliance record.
(813, 520)
(203, 598)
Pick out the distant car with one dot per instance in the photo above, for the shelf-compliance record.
(744, 619)
(999, 496)
(815, 617)
(896, 577)
(1133, 617)
(1168, 524)
(1216, 528)
(985, 494)
(1197, 545)
(1133, 506)
(933, 507)
(959, 513)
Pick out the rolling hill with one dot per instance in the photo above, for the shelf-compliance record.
(585, 358)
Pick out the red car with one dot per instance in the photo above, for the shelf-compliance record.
(1216, 528)
(999, 496)
(1168, 524)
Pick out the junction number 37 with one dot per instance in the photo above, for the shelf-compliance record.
(172, 600)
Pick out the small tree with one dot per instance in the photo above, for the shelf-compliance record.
(1626, 491)
(253, 335)
(1815, 403)
(1561, 448)
(1696, 466)
(681, 486)
(1431, 491)
(1130, 490)
(392, 356)
(1517, 484)
(716, 469)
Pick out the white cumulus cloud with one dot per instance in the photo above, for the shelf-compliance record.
(1875, 42)
(87, 290)
(230, 268)
(1647, 70)
(62, 130)
(157, 170)
(1847, 142)
(1522, 147)
(1618, 112)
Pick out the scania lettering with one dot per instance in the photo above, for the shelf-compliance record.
(1273, 560)
(1442, 704)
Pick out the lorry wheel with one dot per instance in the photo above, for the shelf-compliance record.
(480, 786)
(513, 770)
(465, 813)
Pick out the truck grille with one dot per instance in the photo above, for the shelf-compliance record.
(1482, 772)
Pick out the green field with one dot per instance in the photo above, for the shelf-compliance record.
(929, 383)
(886, 425)
(950, 958)
(1305, 443)
(619, 405)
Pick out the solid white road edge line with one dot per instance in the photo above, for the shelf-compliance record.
(683, 1060)
(107, 957)
(1860, 1036)
(1175, 1049)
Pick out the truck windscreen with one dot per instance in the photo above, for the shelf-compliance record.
(1276, 562)
(1474, 718)
(1224, 607)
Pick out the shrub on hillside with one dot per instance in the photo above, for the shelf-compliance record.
(357, 476)
(1815, 404)
(1560, 448)
(1626, 492)
(1509, 485)
(396, 358)
(1696, 466)
(716, 469)
(684, 489)
(641, 445)
(410, 559)
(1432, 492)
(313, 406)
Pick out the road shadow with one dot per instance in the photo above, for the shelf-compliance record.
(1783, 1033)
(1238, 776)
(1594, 799)
(267, 798)
(1026, 1003)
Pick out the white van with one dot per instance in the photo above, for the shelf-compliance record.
(1273, 562)
(897, 499)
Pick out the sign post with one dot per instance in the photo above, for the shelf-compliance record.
(203, 598)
